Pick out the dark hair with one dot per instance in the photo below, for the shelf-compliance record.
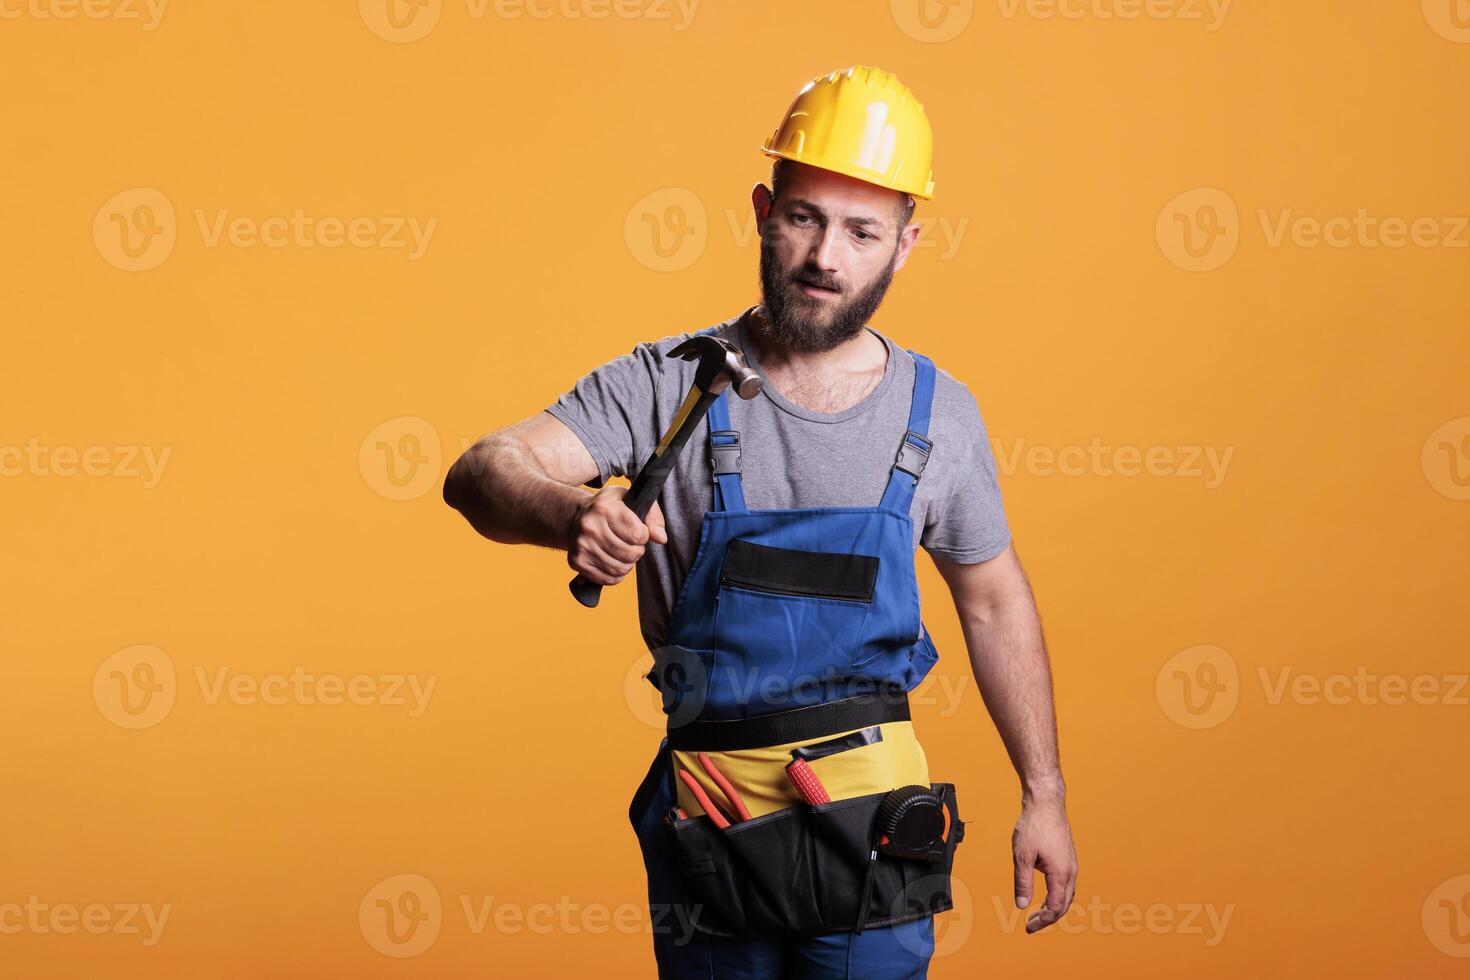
(905, 207)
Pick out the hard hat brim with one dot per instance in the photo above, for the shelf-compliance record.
(857, 173)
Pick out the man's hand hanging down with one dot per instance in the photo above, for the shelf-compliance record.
(1008, 656)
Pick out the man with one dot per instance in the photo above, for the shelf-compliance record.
(779, 573)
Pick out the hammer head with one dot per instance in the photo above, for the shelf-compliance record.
(721, 365)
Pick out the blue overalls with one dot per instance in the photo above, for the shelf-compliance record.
(784, 609)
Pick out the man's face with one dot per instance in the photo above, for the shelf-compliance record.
(829, 248)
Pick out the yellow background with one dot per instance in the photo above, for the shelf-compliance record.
(548, 149)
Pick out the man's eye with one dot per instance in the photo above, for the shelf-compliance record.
(863, 236)
(801, 219)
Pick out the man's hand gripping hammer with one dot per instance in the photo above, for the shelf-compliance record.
(721, 366)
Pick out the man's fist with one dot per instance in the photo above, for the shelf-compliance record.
(606, 539)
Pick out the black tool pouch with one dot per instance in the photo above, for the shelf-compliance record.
(808, 870)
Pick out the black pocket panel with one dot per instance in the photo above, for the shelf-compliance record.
(800, 871)
(789, 571)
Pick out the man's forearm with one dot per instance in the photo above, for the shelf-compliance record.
(1010, 662)
(506, 495)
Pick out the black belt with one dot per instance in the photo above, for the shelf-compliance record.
(796, 725)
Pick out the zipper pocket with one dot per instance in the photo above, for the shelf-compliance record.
(793, 572)
(791, 590)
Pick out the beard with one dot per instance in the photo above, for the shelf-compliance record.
(804, 323)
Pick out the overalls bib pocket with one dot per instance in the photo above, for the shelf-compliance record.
(790, 614)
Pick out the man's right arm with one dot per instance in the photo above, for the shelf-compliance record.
(522, 485)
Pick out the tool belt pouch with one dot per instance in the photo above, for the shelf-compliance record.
(806, 870)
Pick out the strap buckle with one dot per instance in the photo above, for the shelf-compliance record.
(724, 457)
(913, 456)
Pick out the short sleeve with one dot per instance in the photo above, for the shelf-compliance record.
(613, 408)
(966, 522)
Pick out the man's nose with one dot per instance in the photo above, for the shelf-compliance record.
(826, 249)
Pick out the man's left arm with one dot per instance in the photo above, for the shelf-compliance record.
(1008, 656)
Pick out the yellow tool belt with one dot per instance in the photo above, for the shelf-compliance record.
(759, 775)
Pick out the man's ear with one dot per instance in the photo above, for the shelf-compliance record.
(760, 201)
(907, 239)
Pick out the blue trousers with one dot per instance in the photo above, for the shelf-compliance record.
(898, 952)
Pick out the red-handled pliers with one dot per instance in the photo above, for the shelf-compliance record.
(733, 798)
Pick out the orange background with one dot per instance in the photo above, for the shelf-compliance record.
(300, 390)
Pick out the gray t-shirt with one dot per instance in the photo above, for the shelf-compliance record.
(790, 456)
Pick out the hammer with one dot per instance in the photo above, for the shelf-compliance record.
(720, 366)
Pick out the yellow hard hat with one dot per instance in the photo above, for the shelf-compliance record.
(862, 122)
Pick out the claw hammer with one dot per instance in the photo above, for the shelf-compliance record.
(721, 366)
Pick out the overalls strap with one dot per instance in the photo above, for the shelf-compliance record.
(913, 451)
(724, 456)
